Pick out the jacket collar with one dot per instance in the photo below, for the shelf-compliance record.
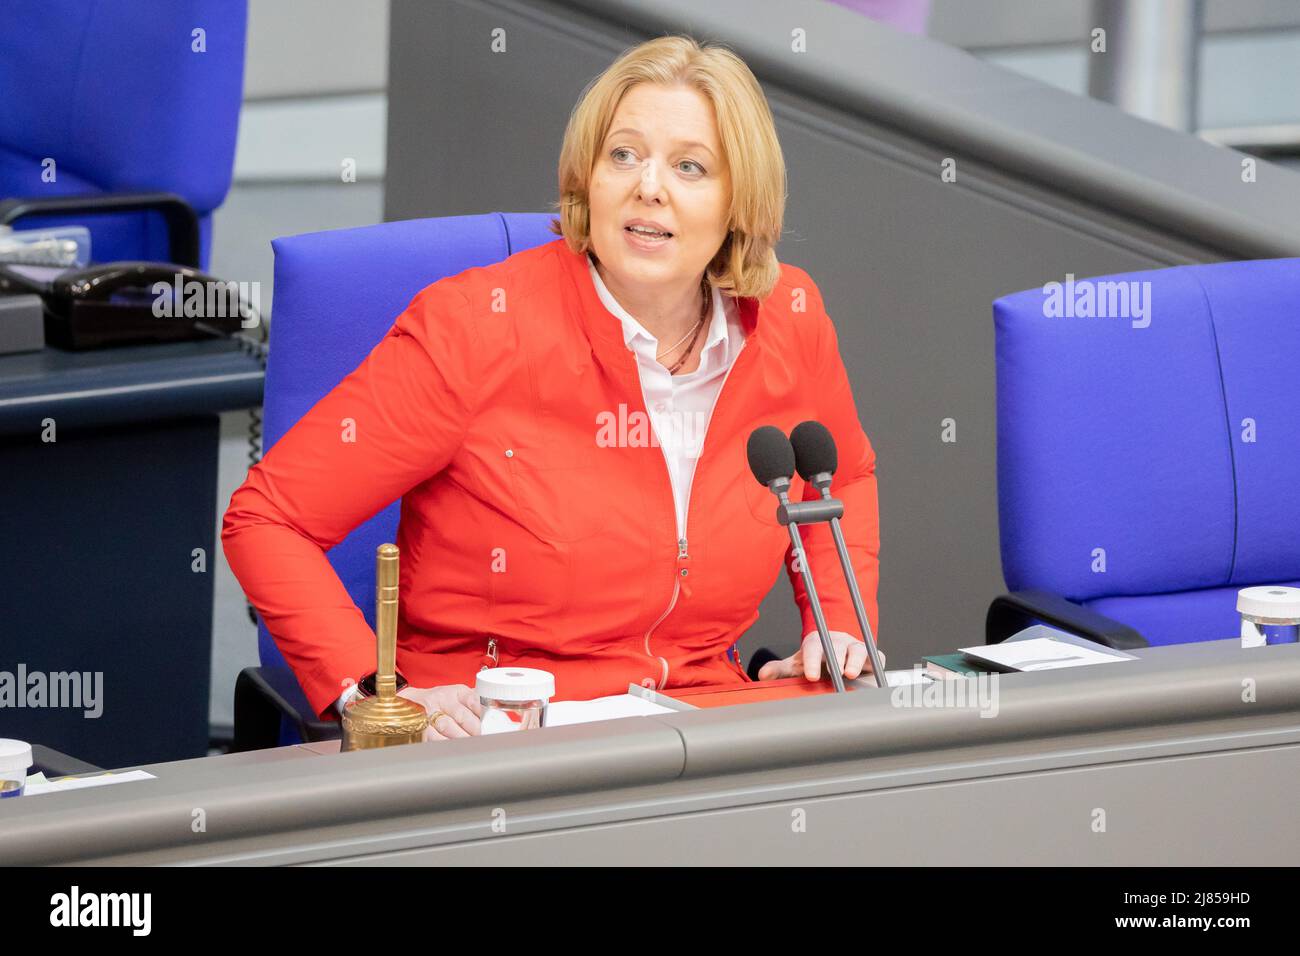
(604, 331)
(602, 327)
(633, 330)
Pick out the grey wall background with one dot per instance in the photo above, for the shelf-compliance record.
(1001, 24)
(317, 90)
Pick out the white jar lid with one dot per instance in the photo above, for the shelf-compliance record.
(515, 683)
(15, 754)
(1273, 601)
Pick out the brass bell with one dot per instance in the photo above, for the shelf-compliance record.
(384, 720)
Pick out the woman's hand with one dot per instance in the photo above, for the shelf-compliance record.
(454, 707)
(850, 653)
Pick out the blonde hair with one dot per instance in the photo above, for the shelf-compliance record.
(745, 264)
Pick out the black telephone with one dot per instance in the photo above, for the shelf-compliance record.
(120, 303)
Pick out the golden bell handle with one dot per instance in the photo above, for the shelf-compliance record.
(386, 596)
(384, 720)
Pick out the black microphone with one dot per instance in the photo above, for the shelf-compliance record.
(816, 460)
(814, 453)
(772, 462)
(771, 458)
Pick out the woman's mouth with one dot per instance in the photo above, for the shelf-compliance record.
(643, 237)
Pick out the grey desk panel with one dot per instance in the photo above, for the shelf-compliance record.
(525, 826)
(242, 797)
(630, 790)
(1151, 691)
(1153, 813)
(128, 384)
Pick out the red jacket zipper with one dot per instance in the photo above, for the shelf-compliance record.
(682, 569)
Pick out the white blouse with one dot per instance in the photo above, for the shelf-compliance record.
(680, 406)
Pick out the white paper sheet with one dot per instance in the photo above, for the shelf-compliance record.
(1040, 654)
(37, 783)
(601, 708)
(901, 677)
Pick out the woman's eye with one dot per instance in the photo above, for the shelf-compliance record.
(625, 156)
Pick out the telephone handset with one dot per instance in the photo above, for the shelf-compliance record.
(120, 303)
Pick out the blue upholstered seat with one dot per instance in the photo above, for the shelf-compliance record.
(121, 97)
(1149, 461)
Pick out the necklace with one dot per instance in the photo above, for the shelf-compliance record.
(678, 342)
(694, 334)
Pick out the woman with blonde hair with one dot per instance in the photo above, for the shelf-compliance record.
(567, 428)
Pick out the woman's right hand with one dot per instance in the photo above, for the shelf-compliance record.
(455, 708)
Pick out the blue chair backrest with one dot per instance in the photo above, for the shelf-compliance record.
(337, 294)
(1149, 461)
(123, 97)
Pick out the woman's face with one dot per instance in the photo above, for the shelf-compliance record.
(662, 164)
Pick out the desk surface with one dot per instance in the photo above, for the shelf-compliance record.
(133, 383)
(1189, 747)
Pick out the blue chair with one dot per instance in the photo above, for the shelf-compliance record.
(336, 295)
(1148, 462)
(138, 123)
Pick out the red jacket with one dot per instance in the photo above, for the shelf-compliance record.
(522, 533)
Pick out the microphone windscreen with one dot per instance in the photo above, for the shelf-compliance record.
(814, 449)
(770, 454)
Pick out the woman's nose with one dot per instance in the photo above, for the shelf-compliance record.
(649, 185)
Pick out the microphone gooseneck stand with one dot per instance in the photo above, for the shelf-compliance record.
(816, 459)
(828, 648)
(771, 459)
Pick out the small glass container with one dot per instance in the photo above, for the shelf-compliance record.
(513, 698)
(15, 758)
(1269, 615)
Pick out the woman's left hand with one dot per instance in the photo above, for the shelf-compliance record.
(455, 710)
(851, 657)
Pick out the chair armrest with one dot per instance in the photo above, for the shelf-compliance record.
(263, 695)
(1009, 613)
(182, 220)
